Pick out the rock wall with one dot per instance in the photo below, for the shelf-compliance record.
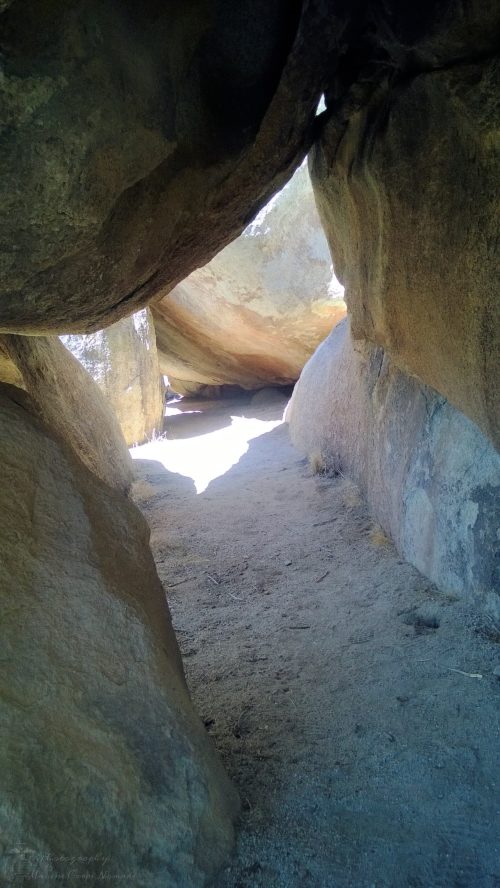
(138, 139)
(123, 361)
(64, 396)
(405, 175)
(254, 315)
(430, 476)
(103, 758)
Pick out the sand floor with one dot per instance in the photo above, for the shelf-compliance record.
(353, 704)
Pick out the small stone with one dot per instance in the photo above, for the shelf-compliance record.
(496, 671)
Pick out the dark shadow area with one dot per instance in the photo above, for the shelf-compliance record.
(200, 417)
(195, 423)
(151, 472)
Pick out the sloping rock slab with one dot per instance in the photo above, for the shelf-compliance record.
(106, 771)
(140, 138)
(65, 397)
(407, 191)
(254, 315)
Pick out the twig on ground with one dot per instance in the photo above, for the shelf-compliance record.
(468, 674)
(322, 577)
(216, 582)
(236, 728)
(179, 582)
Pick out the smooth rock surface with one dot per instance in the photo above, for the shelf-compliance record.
(138, 139)
(9, 373)
(254, 315)
(103, 759)
(123, 361)
(431, 479)
(406, 184)
(66, 398)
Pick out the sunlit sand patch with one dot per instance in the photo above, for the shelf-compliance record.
(209, 456)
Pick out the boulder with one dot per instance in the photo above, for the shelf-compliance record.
(405, 175)
(106, 772)
(430, 476)
(123, 361)
(138, 139)
(65, 397)
(9, 373)
(254, 315)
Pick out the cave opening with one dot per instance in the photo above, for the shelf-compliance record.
(257, 646)
(310, 645)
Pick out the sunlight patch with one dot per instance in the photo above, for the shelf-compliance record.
(209, 456)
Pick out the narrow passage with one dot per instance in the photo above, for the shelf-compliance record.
(354, 706)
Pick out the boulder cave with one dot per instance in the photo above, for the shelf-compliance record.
(157, 217)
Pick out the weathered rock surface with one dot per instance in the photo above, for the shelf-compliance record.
(405, 176)
(8, 370)
(254, 315)
(430, 477)
(123, 361)
(64, 396)
(138, 139)
(102, 758)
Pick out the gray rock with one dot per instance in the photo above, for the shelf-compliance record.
(123, 361)
(431, 478)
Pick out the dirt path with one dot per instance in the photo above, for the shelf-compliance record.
(327, 670)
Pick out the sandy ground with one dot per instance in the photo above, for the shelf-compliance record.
(354, 706)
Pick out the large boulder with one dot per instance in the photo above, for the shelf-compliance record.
(430, 476)
(65, 397)
(406, 179)
(254, 315)
(106, 772)
(9, 373)
(140, 138)
(123, 361)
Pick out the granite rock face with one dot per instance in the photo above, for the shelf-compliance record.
(123, 361)
(254, 315)
(102, 757)
(64, 396)
(405, 175)
(430, 476)
(138, 139)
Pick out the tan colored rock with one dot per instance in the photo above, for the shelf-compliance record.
(407, 191)
(138, 139)
(102, 757)
(254, 315)
(123, 361)
(8, 370)
(429, 475)
(65, 397)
